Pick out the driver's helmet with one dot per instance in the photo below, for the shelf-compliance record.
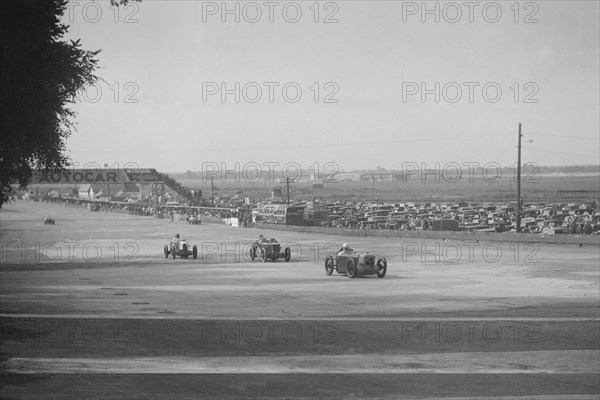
(177, 236)
(345, 246)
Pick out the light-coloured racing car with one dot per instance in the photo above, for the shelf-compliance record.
(180, 248)
(356, 264)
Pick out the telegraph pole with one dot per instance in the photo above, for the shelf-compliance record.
(519, 182)
(287, 183)
(373, 187)
(212, 192)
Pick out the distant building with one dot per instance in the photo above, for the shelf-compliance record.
(380, 176)
(60, 193)
(99, 191)
(128, 191)
(348, 176)
(116, 184)
(85, 192)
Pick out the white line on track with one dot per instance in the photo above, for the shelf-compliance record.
(501, 362)
(298, 318)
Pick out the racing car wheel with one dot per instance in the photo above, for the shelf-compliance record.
(329, 265)
(381, 267)
(351, 268)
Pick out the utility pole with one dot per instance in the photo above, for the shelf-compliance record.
(373, 187)
(287, 182)
(212, 192)
(519, 182)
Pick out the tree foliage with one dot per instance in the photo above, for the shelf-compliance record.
(41, 76)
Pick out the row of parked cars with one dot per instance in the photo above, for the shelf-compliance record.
(492, 217)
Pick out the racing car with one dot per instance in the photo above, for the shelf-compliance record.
(269, 250)
(356, 264)
(48, 221)
(180, 248)
(194, 220)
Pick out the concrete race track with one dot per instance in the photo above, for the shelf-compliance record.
(91, 309)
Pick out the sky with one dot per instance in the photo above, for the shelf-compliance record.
(360, 84)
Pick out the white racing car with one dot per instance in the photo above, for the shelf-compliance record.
(181, 248)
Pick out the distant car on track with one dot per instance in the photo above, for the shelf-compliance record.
(269, 250)
(48, 221)
(356, 264)
(180, 248)
(193, 220)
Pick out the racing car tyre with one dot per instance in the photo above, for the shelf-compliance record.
(329, 265)
(263, 255)
(185, 249)
(381, 267)
(195, 252)
(351, 268)
(252, 253)
(287, 254)
(166, 250)
(173, 252)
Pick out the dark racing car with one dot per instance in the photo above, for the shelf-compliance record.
(269, 250)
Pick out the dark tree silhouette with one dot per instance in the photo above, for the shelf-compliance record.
(40, 78)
